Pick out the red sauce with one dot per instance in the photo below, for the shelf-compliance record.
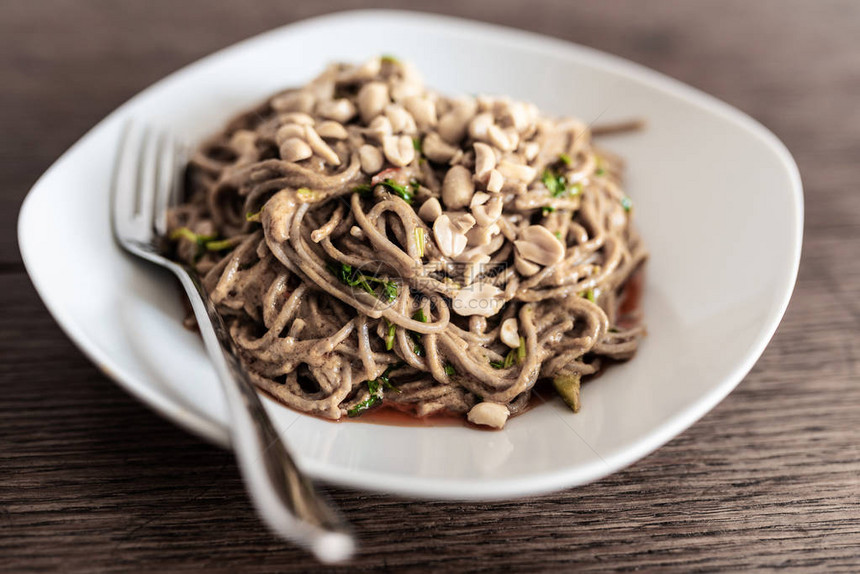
(392, 416)
(542, 392)
(631, 299)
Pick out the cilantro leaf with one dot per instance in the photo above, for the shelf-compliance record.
(627, 204)
(554, 182)
(402, 191)
(356, 278)
(375, 389)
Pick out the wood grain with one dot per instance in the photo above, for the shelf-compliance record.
(91, 480)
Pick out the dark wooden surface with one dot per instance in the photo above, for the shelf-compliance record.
(92, 480)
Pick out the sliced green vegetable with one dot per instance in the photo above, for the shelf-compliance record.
(514, 356)
(389, 337)
(203, 242)
(389, 59)
(185, 233)
(416, 143)
(510, 359)
(220, 245)
(568, 386)
(362, 188)
(419, 316)
(589, 294)
(565, 159)
(306, 193)
(449, 369)
(255, 217)
(420, 240)
(546, 210)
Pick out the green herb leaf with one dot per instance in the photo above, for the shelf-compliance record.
(589, 294)
(565, 159)
(417, 347)
(202, 241)
(497, 364)
(389, 290)
(363, 188)
(449, 369)
(255, 217)
(389, 59)
(546, 210)
(627, 203)
(402, 191)
(373, 386)
(364, 405)
(416, 143)
(554, 182)
(521, 350)
(384, 377)
(557, 235)
(374, 397)
(355, 278)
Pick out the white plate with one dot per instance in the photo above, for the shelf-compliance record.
(718, 200)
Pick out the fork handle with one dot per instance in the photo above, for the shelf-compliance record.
(282, 495)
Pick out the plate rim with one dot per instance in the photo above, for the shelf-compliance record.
(440, 488)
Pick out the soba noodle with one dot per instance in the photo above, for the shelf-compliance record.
(369, 242)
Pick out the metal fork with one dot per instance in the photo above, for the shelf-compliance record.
(147, 180)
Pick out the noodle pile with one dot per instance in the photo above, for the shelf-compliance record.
(369, 242)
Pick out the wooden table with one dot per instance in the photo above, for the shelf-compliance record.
(92, 480)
